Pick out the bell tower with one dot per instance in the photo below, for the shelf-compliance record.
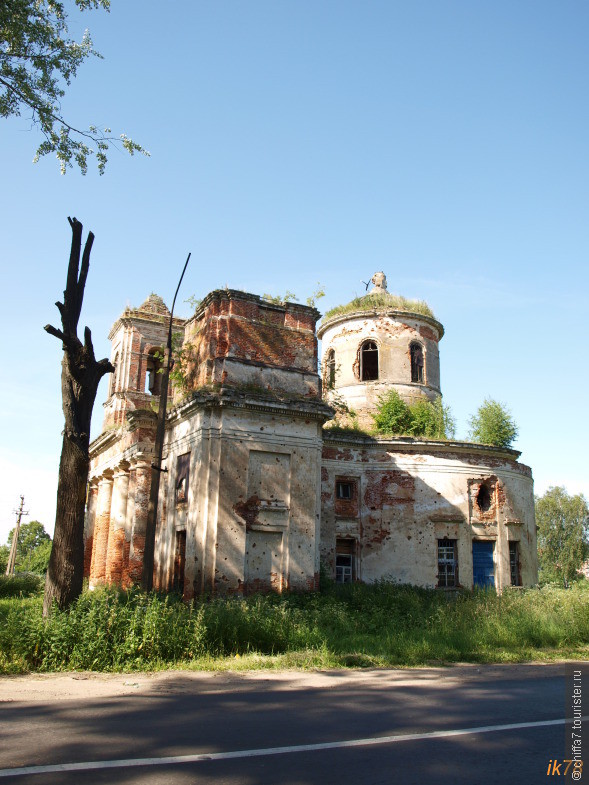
(137, 337)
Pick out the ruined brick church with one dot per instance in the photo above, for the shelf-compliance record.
(258, 491)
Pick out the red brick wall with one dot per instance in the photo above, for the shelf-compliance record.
(243, 327)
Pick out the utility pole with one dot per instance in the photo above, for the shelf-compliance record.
(148, 552)
(13, 548)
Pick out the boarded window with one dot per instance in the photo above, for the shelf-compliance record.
(514, 564)
(447, 564)
(182, 476)
(345, 560)
(417, 374)
(368, 361)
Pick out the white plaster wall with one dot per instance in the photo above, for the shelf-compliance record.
(224, 517)
(410, 499)
(393, 333)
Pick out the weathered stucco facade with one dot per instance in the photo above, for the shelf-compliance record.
(405, 497)
(256, 493)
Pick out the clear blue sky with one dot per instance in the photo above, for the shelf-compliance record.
(294, 142)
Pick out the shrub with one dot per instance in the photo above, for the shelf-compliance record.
(431, 419)
(423, 418)
(392, 414)
(493, 424)
(23, 585)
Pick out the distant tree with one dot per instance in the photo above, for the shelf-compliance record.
(30, 536)
(563, 534)
(32, 549)
(80, 375)
(38, 560)
(37, 58)
(493, 424)
(4, 556)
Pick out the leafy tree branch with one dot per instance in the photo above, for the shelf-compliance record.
(37, 60)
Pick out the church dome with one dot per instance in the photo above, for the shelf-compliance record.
(377, 343)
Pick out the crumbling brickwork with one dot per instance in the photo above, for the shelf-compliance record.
(240, 339)
(415, 494)
(255, 493)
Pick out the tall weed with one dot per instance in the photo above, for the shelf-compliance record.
(353, 625)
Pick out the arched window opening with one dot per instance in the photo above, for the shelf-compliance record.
(369, 361)
(416, 363)
(153, 378)
(113, 377)
(330, 370)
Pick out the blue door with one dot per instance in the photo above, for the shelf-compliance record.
(483, 571)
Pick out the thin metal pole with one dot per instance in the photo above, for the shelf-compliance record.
(156, 466)
(14, 547)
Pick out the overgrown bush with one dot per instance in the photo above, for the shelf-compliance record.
(23, 585)
(493, 424)
(421, 418)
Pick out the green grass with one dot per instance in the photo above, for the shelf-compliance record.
(353, 626)
(371, 302)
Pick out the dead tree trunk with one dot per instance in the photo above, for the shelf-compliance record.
(80, 375)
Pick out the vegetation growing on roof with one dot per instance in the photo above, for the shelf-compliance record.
(420, 419)
(291, 297)
(372, 302)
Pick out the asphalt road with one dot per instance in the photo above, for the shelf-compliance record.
(291, 728)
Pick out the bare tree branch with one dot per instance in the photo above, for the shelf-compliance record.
(53, 331)
(84, 272)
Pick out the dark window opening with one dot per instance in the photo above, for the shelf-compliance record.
(153, 377)
(369, 361)
(447, 564)
(345, 561)
(346, 497)
(484, 498)
(330, 370)
(113, 376)
(344, 490)
(182, 475)
(417, 375)
(179, 562)
(514, 564)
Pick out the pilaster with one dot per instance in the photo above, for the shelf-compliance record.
(101, 530)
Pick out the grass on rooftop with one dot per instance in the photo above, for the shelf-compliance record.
(372, 302)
